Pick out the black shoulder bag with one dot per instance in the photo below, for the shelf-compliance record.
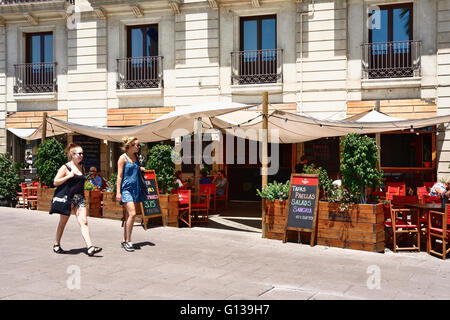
(61, 199)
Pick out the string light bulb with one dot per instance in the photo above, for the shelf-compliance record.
(412, 128)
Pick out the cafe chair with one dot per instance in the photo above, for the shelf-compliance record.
(400, 225)
(437, 228)
(400, 185)
(200, 203)
(391, 192)
(20, 196)
(421, 192)
(211, 189)
(224, 198)
(432, 199)
(184, 206)
(429, 185)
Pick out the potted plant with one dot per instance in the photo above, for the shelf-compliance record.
(9, 181)
(346, 220)
(93, 199)
(50, 157)
(160, 159)
(275, 194)
(325, 183)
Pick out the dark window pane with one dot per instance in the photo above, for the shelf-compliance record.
(250, 35)
(268, 34)
(152, 41)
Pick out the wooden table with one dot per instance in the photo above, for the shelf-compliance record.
(424, 209)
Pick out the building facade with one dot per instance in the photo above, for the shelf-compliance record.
(121, 63)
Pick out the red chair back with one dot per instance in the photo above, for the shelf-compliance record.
(400, 185)
(208, 188)
(391, 192)
(421, 191)
(184, 197)
(24, 186)
(35, 184)
(431, 199)
(399, 200)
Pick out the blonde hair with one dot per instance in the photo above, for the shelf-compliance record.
(69, 149)
(127, 141)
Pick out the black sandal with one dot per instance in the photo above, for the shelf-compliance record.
(57, 249)
(94, 251)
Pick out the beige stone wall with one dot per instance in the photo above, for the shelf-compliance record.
(3, 147)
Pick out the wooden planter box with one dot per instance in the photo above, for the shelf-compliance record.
(362, 228)
(169, 208)
(113, 210)
(94, 203)
(276, 214)
(45, 197)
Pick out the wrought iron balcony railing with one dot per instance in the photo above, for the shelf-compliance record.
(137, 73)
(29, 1)
(257, 66)
(35, 77)
(400, 59)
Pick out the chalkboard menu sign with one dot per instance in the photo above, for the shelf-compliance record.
(303, 203)
(150, 208)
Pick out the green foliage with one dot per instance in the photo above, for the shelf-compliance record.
(9, 179)
(88, 185)
(112, 183)
(50, 158)
(344, 197)
(325, 183)
(275, 191)
(160, 160)
(359, 165)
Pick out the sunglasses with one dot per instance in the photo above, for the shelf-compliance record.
(78, 153)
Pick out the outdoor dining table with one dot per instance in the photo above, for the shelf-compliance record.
(424, 209)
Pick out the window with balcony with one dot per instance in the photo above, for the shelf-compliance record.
(37, 74)
(143, 67)
(391, 51)
(259, 60)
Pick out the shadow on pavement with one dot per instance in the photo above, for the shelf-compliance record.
(139, 245)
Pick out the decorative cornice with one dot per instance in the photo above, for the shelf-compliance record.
(256, 4)
(213, 4)
(137, 11)
(31, 19)
(175, 5)
(100, 13)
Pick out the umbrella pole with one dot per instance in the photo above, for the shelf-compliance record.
(44, 126)
(198, 152)
(265, 110)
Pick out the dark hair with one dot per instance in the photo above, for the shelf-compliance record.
(223, 172)
(303, 158)
(204, 173)
(177, 174)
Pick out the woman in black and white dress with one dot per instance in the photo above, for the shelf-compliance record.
(73, 173)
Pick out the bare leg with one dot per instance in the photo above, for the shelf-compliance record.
(130, 217)
(60, 229)
(82, 221)
(125, 211)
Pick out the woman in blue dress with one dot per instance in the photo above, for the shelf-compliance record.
(128, 188)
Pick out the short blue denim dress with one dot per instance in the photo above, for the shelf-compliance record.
(130, 187)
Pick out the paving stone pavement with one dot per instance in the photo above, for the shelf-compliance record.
(200, 263)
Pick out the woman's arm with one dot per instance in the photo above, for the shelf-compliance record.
(120, 165)
(62, 176)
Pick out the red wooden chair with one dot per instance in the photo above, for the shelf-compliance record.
(20, 196)
(401, 225)
(30, 196)
(184, 206)
(211, 189)
(422, 191)
(431, 199)
(400, 185)
(437, 228)
(200, 206)
(223, 197)
(391, 192)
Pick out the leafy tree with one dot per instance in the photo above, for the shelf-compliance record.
(325, 183)
(359, 165)
(9, 178)
(160, 160)
(50, 157)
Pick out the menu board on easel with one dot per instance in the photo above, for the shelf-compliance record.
(303, 204)
(150, 208)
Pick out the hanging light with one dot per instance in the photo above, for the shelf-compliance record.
(411, 129)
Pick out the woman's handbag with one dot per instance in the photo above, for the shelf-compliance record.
(61, 199)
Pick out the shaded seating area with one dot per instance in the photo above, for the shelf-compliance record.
(437, 229)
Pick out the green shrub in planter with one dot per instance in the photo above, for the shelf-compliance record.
(89, 186)
(112, 183)
(160, 160)
(275, 191)
(50, 157)
(9, 179)
(359, 165)
(325, 183)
